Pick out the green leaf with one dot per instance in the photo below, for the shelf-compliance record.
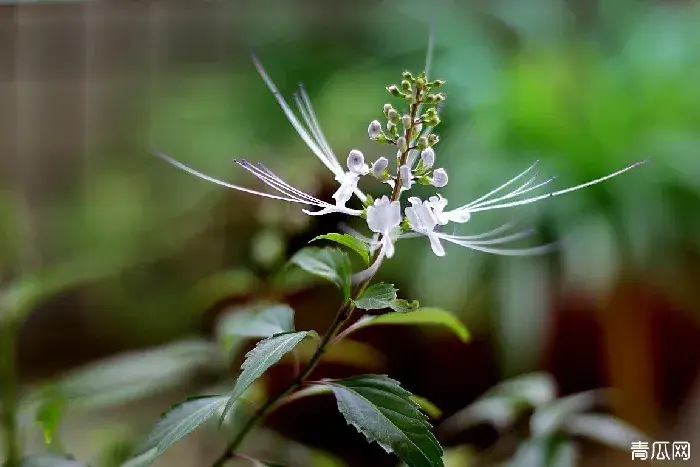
(49, 415)
(330, 263)
(421, 316)
(178, 422)
(355, 244)
(257, 321)
(382, 295)
(134, 375)
(265, 354)
(383, 411)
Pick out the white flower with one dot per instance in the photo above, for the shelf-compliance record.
(383, 217)
(287, 192)
(348, 180)
(423, 221)
(374, 129)
(406, 177)
(379, 166)
(439, 178)
(425, 217)
(487, 203)
(428, 157)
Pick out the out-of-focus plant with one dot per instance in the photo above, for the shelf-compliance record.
(545, 427)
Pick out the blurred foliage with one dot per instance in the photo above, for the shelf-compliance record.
(587, 87)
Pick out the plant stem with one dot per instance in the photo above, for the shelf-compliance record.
(8, 380)
(341, 318)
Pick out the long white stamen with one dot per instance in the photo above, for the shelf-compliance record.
(492, 192)
(315, 126)
(269, 173)
(507, 252)
(355, 233)
(370, 271)
(275, 183)
(304, 103)
(560, 192)
(513, 194)
(499, 229)
(333, 167)
(194, 172)
(493, 241)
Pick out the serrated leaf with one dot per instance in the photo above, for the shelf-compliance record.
(256, 321)
(379, 408)
(48, 460)
(355, 244)
(178, 422)
(266, 353)
(604, 429)
(330, 263)
(421, 316)
(382, 295)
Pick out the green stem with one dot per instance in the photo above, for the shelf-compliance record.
(9, 402)
(341, 318)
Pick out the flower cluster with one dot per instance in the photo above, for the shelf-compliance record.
(409, 131)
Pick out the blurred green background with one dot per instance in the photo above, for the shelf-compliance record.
(120, 252)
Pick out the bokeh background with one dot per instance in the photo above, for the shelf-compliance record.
(128, 258)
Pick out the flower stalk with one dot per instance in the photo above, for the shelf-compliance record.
(341, 318)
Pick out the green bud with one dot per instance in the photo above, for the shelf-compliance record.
(406, 85)
(393, 116)
(437, 83)
(387, 108)
(407, 75)
(421, 80)
(394, 91)
(433, 139)
(422, 143)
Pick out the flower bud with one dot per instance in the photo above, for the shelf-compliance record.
(356, 161)
(379, 166)
(433, 139)
(406, 85)
(437, 83)
(374, 130)
(428, 157)
(394, 91)
(411, 158)
(406, 176)
(387, 108)
(406, 120)
(439, 178)
(407, 75)
(393, 115)
(401, 143)
(418, 127)
(422, 142)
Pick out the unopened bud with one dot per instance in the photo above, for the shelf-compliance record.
(374, 130)
(406, 85)
(433, 139)
(420, 81)
(356, 162)
(406, 176)
(394, 91)
(437, 83)
(379, 166)
(418, 127)
(439, 178)
(406, 120)
(411, 158)
(407, 75)
(393, 115)
(387, 108)
(422, 142)
(428, 157)
(401, 143)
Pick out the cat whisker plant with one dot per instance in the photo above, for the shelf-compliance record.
(375, 405)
